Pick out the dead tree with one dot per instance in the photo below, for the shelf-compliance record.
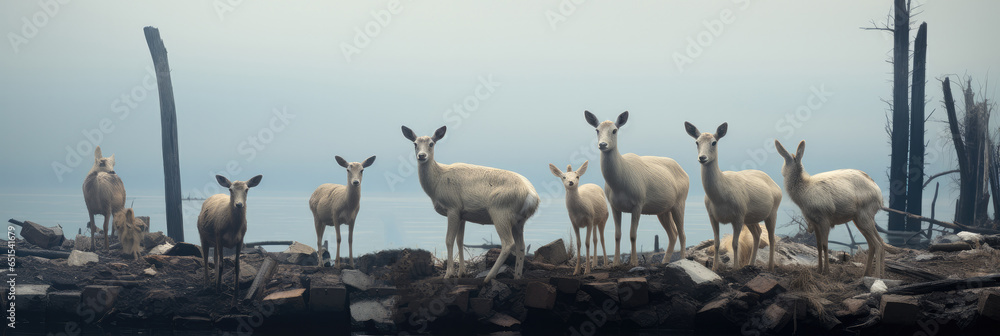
(168, 133)
(972, 147)
(914, 184)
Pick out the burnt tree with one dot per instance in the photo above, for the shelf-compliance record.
(168, 133)
(900, 114)
(915, 187)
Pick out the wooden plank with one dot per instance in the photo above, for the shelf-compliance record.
(947, 285)
(264, 274)
(168, 133)
(913, 271)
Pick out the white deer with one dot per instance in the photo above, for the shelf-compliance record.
(742, 198)
(464, 192)
(641, 185)
(588, 209)
(336, 204)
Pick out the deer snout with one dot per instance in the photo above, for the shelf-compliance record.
(570, 183)
(239, 205)
(702, 159)
(422, 156)
(356, 182)
(603, 145)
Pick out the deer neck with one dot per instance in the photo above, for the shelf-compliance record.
(796, 180)
(573, 200)
(429, 172)
(353, 193)
(716, 184)
(613, 167)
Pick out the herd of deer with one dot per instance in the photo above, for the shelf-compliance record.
(639, 185)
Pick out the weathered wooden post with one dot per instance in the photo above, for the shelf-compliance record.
(168, 131)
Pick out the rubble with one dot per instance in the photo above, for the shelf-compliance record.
(80, 258)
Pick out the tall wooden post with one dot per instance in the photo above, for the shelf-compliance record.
(168, 131)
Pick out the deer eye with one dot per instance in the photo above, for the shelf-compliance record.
(564, 177)
(713, 143)
(432, 145)
(614, 131)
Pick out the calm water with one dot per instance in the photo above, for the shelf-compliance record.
(386, 221)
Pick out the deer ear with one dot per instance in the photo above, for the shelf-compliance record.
(721, 131)
(439, 134)
(254, 181)
(691, 130)
(341, 161)
(622, 118)
(582, 169)
(800, 151)
(408, 133)
(591, 118)
(97, 153)
(555, 170)
(782, 151)
(223, 181)
(368, 162)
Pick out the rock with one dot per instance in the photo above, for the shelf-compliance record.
(63, 303)
(480, 306)
(375, 312)
(889, 283)
(637, 269)
(495, 290)
(679, 313)
(602, 291)
(183, 249)
(691, 273)
(899, 309)
(712, 313)
(504, 321)
(81, 243)
(565, 285)
(970, 237)
(989, 304)
(775, 318)
(152, 239)
(80, 258)
(540, 295)
(298, 247)
(161, 249)
(247, 272)
(633, 292)
(927, 257)
(287, 302)
(764, 286)
(460, 297)
(357, 280)
(151, 271)
(327, 296)
(41, 236)
(552, 253)
(854, 307)
(878, 287)
(100, 299)
(645, 318)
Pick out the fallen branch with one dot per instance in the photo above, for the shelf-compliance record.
(947, 285)
(955, 226)
(912, 271)
(47, 254)
(938, 175)
(270, 242)
(950, 247)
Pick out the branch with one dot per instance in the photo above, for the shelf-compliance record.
(955, 226)
(938, 175)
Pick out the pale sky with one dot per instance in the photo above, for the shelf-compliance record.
(789, 70)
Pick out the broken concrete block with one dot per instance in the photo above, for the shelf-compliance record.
(151, 271)
(183, 249)
(460, 297)
(80, 258)
(889, 283)
(298, 247)
(41, 236)
(633, 292)
(356, 279)
(287, 302)
(989, 304)
(540, 295)
(495, 290)
(765, 286)
(775, 318)
(602, 291)
(81, 243)
(100, 299)
(327, 298)
(63, 303)
(552, 253)
(645, 318)
(565, 285)
(691, 272)
(504, 321)
(899, 309)
(161, 249)
(29, 298)
(376, 313)
(480, 306)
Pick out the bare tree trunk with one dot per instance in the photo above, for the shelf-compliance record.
(915, 188)
(964, 209)
(168, 133)
(900, 114)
